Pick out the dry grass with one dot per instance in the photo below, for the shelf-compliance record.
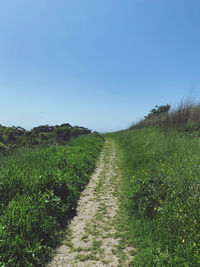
(186, 116)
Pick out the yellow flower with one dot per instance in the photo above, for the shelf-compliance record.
(183, 240)
(194, 244)
(155, 208)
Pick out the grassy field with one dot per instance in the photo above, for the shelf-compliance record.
(161, 195)
(39, 190)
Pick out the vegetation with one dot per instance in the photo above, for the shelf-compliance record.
(158, 111)
(185, 117)
(39, 190)
(161, 188)
(13, 137)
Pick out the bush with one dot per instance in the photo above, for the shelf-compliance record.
(40, 136)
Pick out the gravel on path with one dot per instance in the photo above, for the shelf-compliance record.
(92, 238)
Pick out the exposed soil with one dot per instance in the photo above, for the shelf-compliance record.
(92, 238)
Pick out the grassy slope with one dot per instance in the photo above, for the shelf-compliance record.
(39, 190)
(161, 195)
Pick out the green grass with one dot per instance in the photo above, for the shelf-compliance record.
(161, 194)
(39, 190)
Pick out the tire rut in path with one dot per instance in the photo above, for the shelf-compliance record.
(92, 238)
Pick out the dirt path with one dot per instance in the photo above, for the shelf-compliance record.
(93, 239)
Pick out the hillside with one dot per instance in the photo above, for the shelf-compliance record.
(139, 207)
(161, 193)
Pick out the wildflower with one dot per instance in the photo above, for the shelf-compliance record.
(194, 244)
(183, 240)
(155, 208)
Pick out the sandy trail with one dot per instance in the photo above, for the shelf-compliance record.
(92, 238)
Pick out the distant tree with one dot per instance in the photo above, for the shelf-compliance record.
(62, 134)
(81, 130)
(31, 138)
(47, 137)
(158, 110)
(20, 130)
(10, 134)
(1, 133)
(66, 125)
(76, 131)
(42, 129)
(3, 147)
(14, 137)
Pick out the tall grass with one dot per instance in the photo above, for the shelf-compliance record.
(163, 192)
(186, 117)
(39, 190)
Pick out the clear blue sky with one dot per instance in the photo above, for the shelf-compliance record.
(102, 64)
